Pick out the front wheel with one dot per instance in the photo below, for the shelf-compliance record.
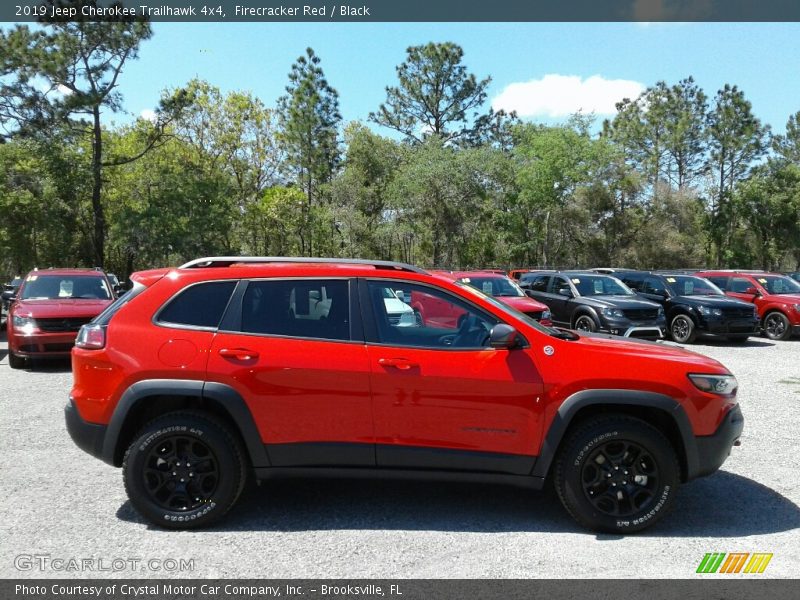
(184, 470)
(585, 323)
(16, 362)
(616, 474)
(776, 326)
(682, 329)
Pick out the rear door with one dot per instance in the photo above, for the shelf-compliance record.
(738, 286)
(294, 351)
(559, 305)
(442, 398)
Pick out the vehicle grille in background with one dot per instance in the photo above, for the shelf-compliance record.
(641, 314)
(537, 315)
(59, 325)
(745, 312)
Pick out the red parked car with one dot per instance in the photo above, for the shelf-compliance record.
(205, 375)
(501, 287)
(50, 307)
(776, 296)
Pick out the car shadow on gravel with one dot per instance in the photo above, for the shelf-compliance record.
(724, 505)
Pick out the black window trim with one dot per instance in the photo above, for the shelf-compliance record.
(231, 322)
(170, 325)
(371, 329)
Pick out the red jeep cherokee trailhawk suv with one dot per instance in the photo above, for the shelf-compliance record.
(203, 375)
(50, 307)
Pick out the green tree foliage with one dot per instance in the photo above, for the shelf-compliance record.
(309, 118)
(437, 97)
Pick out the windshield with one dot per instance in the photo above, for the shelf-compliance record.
(777, 284)
(599, 285)
(65, 287)
(494, 286)
(506, 308)
(683, 285)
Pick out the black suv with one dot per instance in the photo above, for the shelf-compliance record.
(695, 306)
(9, 292)
(595, 302)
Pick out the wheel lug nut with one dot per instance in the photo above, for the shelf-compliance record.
(183, 480)
(191, 474)
(615, 468)
(174, 473)
(178, 464)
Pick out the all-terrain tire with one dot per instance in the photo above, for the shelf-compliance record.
(184, 470)
(616, 474)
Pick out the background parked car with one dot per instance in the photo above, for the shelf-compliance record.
(694, 305)
(595, 302)
(50, 308)
(776, 297)
(504, 289)
(795, 275)
(10, 290)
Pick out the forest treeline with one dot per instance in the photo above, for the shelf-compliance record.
(677, 178)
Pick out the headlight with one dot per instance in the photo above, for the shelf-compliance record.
(546, 316)
(24, 325)
(723, 385)
(708, 311)
(614, 312)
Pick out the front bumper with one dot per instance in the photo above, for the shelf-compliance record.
(646, 330)
(720, 326)
(42, 344)
(713, 450)
(795, 329)
(89, 437)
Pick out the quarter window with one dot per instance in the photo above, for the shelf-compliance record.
(298, 308)
(199, 305)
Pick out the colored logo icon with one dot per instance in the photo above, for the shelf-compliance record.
(734, 562)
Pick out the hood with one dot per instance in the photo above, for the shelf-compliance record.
(523, 303)
(642, 348)
(618, 302)
(60, 309)
(715, 301)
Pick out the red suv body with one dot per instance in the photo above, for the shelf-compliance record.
(204, 375)
(50, 307)
(776, 296)
(503, 288)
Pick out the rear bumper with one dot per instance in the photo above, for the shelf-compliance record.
(713, 450)
(89, 437)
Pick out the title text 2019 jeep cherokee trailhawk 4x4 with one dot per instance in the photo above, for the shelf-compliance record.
(203, 375)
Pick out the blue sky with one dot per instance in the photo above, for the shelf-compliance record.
(359, 61)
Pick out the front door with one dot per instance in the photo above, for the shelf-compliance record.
(444, 399)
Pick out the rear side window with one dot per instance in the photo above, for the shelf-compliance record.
(104, 317)
(739, 285)
(537, 283)
(200, 305)
(307, 308)
(720, 282)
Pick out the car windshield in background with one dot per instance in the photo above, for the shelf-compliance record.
(681, 285)
(779, 284)
(505, 307)
(599, 285)
(494, 286)
(65, 287)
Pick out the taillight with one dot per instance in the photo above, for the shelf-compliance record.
(91, 337)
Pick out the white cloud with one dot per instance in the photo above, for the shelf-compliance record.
(561, 95)
(148, 115)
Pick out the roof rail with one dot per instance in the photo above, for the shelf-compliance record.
(227, 261)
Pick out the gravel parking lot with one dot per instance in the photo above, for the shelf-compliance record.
(58, 501)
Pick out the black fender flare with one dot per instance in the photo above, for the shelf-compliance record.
(223, 395)
(570, 407)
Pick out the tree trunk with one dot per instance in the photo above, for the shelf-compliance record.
(99, 234)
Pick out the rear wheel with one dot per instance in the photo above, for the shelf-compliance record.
(16, 362)
(776, 326)
(184, 470)
(682, 329)
(585, 323)
(616, 474)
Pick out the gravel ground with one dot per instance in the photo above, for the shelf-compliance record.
(62, 503)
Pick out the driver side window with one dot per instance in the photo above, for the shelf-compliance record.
(425, 317)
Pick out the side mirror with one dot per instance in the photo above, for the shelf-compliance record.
(564, 291)
(504, 336)
(400, 295)
(752, 290)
